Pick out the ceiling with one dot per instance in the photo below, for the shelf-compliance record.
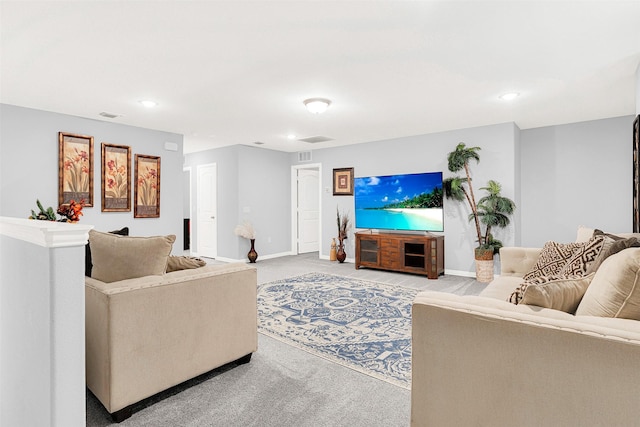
(236, 72)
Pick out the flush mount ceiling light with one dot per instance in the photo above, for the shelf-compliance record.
(317, 105)
(509, 96)
(148, 103)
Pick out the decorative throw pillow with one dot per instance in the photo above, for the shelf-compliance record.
(615, 288)
(583, 258)
(176, 263)
(553, 257)
(517, 294)
(119, 257)
(88, 263)
(611, 246)
(558, 293)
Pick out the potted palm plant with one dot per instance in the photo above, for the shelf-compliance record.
(492, 210)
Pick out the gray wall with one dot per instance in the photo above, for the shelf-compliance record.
(254, 185)
(560, 177)
(426, 153)
(576, 174)
(29, 168)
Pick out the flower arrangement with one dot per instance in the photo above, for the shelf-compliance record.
(245, 230)
(70, 213)
(343, 225)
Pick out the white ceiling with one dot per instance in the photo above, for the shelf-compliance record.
(236, 72)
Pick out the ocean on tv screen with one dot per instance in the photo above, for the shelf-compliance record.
(400, 202)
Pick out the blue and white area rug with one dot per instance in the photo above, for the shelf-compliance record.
(363, 325)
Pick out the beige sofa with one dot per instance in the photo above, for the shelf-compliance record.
(147, 334)
(483, 361)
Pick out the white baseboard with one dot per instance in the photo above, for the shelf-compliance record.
(270, 256)
(460, 273)
(347, 260)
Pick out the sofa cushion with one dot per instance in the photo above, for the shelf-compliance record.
(176, 263)
(558, 293)
(88, 263)
(120, 257)
(553, 257)
(583, 257)
(615, 288)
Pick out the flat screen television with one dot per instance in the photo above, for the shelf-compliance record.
(408, 202)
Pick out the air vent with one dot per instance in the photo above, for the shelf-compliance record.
(316, 139)
(304, 156)
(110, 115)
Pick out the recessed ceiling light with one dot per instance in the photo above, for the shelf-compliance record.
(291, 137)
(110, 115)
(509, 96)
(317, 105)
(148, 103)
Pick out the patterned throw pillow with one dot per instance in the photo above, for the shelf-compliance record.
(517, 295)
(583, 258)
(553, 257)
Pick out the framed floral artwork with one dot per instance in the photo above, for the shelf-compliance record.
(116, 178)
(75, 168)
(147, 187)
(343, 182)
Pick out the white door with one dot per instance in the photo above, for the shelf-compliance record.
(207, 210)
(308, 210)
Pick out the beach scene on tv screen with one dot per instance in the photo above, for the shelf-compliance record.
(400, 202)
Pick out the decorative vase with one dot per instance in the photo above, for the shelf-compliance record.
(252, 255)
(341, 255)
(332, 252)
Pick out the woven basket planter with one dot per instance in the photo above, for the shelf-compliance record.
(484, 271)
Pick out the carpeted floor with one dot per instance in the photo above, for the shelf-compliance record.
(283, 385)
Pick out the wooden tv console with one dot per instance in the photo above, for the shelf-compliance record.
(408, 253)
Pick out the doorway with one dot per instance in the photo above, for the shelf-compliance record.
(207, 223)
(306, 201)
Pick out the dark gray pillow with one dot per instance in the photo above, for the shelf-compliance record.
(612, 245)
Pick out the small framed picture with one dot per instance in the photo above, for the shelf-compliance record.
(343, 182)
(116, 178)
(75, 168)
(147, 187)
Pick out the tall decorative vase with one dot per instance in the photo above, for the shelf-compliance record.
(332, 252)
(341, 255)
(252, 255)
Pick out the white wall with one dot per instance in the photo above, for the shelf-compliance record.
(638, 89)
(576, 174)
(29, 168)
(42, 333)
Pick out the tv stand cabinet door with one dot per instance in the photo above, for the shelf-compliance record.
(367, 251)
